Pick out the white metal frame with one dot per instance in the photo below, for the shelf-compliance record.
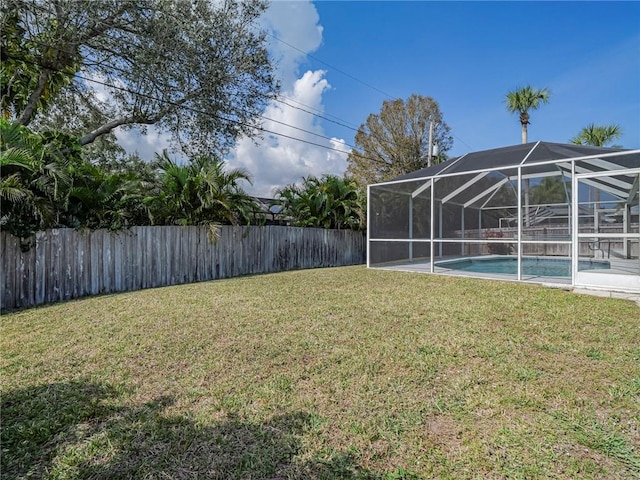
(576, 173)
(595, 278)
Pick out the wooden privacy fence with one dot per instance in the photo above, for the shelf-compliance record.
(65, 263)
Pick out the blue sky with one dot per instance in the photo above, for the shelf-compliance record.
(466, 55)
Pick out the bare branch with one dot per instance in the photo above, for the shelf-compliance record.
(109, 126)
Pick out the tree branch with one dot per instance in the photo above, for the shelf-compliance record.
(109, 126)
(101, 26)
(130, 120)
(27, 113)
(133, 119)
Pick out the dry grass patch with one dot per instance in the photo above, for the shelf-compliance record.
(334, 373)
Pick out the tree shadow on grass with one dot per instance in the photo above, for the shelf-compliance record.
(38, 421)
(82, 430)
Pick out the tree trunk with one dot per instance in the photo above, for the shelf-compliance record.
(27, 113)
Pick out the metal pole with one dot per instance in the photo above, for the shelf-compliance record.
(575, 221)
(520, 223)
(462, 245)
(430, 149)
(625, 228)
(479, 249)
(369, 213)
(440, 229)
(410, 228)
(431, 249)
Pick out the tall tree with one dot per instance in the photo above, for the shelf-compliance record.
(396, 141)
(597, 135)
(521, 101)
(198, 70)
(524, 99)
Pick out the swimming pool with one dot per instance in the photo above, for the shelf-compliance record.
(534, 266)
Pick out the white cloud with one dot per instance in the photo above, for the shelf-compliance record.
(294, 24)
(275, 161)
(145, 145)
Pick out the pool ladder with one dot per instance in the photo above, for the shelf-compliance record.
(597, 247)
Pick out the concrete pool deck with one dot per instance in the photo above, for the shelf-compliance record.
(618, 266)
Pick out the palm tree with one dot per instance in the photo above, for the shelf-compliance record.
(103, 199)
(33, 183)
(549, 190)
(200, 192)
(327, 202)
(521, 101)
(597, 135)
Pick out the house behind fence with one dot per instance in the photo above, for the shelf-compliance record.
(62, 264)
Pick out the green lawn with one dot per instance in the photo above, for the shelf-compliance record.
(333, 373)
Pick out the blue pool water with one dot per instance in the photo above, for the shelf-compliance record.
(539, 267)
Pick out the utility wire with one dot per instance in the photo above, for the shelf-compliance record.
(388, 95)
(354, 151)
(317, 115)
(348, 124)
(349, 75)
(121, 70)
(169, 102)
(203, 112)
(341, 122)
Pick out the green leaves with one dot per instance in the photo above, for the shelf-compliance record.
(198, 70)
(326, 202)
(396, 141)
(549, 190)
(523, 99)
(597, 135)
(45, 183)
(32, 182)
(200, 192)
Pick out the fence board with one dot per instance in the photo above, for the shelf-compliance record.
(64, 263)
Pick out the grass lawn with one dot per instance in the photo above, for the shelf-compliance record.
(333, 373)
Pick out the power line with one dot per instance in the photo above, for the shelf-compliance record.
(317, 115)
(388, 95)
(209, 113)
(121, 70)
(350, 76)
(113, 67)
(203, 112)
(353, 152)
(339, 123)
(262, 129)
(219, 117)
(349, 124)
